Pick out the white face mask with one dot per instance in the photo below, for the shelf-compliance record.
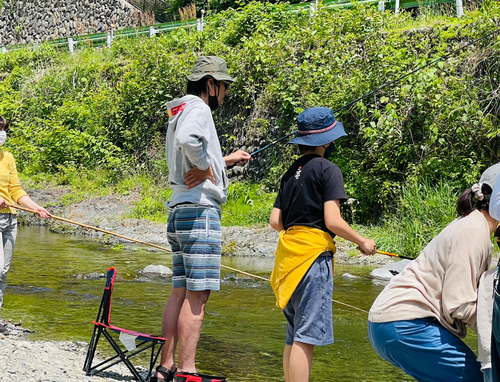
(3, 137)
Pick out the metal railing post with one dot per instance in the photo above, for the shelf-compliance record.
(109, 38)
(152, 31)
(71, 45)
(460, 8)
(313, 8)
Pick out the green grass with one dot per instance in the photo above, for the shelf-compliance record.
(421, 212)
(247, 204)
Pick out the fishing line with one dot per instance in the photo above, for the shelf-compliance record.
(156, 246)
(387, 85)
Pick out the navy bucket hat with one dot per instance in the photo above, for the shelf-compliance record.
(317, 127)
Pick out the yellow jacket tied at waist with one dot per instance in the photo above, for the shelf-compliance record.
(298, 248)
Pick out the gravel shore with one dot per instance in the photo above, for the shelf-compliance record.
(47, 361)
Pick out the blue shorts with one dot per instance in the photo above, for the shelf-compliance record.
(309, 311)
(194, 233)
(425, 350)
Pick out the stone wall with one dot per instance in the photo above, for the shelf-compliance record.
(28, 21)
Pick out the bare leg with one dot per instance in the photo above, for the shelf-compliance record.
(286, 362)
(169, 327)
(189, 328)
(299, 362)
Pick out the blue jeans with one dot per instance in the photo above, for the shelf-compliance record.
(425, 350)
(8, 234)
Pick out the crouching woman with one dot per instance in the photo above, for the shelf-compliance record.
(417, 321)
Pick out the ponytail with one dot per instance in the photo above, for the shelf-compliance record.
(478, 199)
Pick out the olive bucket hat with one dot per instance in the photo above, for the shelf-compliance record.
(210, 66)
(317, 127)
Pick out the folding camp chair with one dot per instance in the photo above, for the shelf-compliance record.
(102, 326)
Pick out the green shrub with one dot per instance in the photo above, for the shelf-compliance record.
(423, 211)
(106, 108)
(247, 204)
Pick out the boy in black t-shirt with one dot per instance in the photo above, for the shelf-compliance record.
(307, 215)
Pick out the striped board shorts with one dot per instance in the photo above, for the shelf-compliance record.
(194, 233)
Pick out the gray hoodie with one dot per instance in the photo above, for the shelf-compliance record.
(192, 141)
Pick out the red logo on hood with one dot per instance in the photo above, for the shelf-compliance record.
(176, 110)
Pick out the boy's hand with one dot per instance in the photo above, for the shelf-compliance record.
(368, 247)
(196, 176)
(239, 158)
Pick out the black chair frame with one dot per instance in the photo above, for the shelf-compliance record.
(102, 327)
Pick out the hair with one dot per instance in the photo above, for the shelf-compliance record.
(200, 87)
(467, 201)
(3, 123)
(304, 149)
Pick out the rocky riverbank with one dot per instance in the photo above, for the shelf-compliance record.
(109, 213)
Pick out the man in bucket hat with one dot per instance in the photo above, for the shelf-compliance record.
(307, 216)
(199, 186)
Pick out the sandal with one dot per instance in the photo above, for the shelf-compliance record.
(197, 377)
(168, 375)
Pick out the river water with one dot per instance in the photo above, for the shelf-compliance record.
(243, 332)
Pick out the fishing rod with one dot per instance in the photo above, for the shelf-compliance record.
(156, 246)
(387, 85)
(395, 255)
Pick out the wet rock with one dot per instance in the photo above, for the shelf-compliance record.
(13, 329)
(388, 271)
(348, 276)
(157, 270)
(90, 276)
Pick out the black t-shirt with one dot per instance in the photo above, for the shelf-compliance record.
(309, 182)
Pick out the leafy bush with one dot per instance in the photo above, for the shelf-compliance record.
(106, 108)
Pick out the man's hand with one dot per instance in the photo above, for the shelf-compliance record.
(3, 203)
(238, 158)
(368, 247)
(196, 176)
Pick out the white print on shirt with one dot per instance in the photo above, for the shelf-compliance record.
(297, 174)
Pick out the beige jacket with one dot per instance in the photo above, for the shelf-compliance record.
(485, 299)
(442, 282)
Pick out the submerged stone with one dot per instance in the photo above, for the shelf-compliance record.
(157, 270)
(349, 276)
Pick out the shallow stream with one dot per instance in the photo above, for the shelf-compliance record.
(243, 332)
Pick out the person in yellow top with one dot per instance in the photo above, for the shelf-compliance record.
(10, 192)
(307, 215)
